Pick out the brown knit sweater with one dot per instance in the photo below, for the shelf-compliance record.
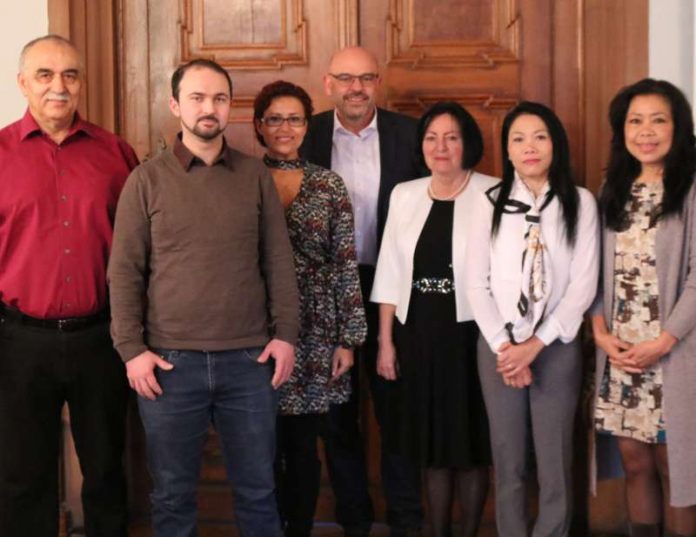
(201, 258)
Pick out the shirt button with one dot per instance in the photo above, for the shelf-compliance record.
(64, 198)
(67, 251)
(68, 279)
(68, 305)
(66, 223)
(61, 172)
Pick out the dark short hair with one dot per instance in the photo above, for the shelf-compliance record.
(200, 63)
(280, 88)
(624, 168)
(471, 134)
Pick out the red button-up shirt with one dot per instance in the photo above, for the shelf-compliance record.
(57, 206)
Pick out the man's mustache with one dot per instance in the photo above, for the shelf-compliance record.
(204, 118)
(58, 96)
(355, 94)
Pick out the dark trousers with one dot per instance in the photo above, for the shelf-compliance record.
(41, 369)
(298, 471)
(345, 449)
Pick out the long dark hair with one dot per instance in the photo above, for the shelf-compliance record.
(624, 168)
(561, 182)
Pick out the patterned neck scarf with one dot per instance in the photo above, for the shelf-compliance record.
(293, 164)
(536, 269)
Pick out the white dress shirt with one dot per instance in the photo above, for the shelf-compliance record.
(494, 275)
(355, 157)
(409, 208)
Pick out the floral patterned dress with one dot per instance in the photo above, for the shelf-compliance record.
(630, 404)
(320, 226)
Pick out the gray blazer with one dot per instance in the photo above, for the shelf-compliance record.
(675, 253)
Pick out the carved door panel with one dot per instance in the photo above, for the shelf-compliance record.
(485, 54)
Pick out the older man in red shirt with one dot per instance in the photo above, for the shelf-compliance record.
(60, 179)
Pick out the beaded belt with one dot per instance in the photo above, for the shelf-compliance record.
(442, 286)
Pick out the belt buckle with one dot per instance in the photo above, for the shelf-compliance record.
(63, 324)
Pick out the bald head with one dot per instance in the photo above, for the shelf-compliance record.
(353, 60)
(352, 83)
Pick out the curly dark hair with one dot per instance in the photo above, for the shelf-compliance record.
(624, 168)
(471, 134)
(280, 88)
(561, 182)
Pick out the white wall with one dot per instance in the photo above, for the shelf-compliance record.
(672, 47)
(21, 21)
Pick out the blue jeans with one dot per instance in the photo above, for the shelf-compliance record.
(233, 391)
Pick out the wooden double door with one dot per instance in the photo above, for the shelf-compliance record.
(485, 54)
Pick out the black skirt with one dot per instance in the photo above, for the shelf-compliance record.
(435, 411)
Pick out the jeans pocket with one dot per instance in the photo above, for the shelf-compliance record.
(253, 353)
(168, 355)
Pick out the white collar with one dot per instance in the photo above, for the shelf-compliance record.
(521, 190)
(370, 128)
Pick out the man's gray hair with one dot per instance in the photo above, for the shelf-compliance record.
(49, 37)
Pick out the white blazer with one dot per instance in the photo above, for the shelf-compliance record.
(409, 207)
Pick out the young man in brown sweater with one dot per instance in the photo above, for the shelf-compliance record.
(203, 293)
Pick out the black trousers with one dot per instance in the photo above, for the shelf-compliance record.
(40, 370)
(345, 449)
(298, 471)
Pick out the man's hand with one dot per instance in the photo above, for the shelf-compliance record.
(284, 355)
(341, 362)
(141, 374)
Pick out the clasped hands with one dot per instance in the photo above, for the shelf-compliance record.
(513, 361)
(634, 358)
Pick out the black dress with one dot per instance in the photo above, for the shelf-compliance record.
(436, 412)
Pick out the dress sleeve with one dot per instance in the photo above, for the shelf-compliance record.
(350, 312)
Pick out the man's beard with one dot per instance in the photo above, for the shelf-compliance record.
(205, 134)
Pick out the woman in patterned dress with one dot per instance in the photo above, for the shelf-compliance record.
(332, 320)
(645, 313)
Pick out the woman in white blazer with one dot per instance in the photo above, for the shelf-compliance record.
(533, 254)
(436, 415)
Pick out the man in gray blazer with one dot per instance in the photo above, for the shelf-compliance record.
(372, 149)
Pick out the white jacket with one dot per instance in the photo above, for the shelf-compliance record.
(409, 207)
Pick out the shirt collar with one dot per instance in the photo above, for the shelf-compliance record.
(369, 129)
(189, 160)
(522, 190)
(28, 126)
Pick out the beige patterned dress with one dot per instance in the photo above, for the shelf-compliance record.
(630, 404)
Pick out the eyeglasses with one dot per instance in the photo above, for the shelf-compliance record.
(277, 121)
(346, 79)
